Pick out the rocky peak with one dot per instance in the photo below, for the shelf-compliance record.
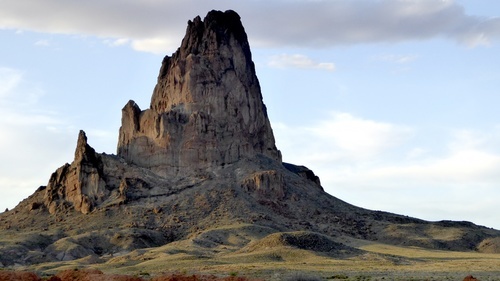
(79, 184)
(84, 152)
(216, 30)
(206, 109)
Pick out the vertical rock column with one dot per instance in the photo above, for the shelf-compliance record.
(79, 185)
(206, 109)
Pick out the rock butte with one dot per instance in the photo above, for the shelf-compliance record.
(201, 158)
(206, 110)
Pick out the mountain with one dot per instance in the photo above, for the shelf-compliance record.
(201, 165)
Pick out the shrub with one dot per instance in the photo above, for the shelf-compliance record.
(79, 275)
(176, 277)
(6, 275)
(92, 275)
(97, 275)
(182, 277)
(302, 277)
(339, 276)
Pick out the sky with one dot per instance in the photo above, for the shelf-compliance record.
(392, 103)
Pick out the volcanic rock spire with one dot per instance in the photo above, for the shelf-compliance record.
(206, 110)
(200, 164)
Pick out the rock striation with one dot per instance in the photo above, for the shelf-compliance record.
(206, 110)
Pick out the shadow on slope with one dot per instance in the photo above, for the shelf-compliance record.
(303, 240)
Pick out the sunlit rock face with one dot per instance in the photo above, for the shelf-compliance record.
(80, 184)
(206, 110)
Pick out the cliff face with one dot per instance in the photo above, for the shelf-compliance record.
(206, 110)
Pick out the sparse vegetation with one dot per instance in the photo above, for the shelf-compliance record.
(363, 278)
(97, 275)
(299, 276)
(339, 276)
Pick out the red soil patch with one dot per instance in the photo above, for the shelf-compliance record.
(18, 276)
(97, 275)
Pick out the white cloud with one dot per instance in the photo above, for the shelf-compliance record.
(42, 43)
(13, 92)
(360, 136)
(478, 33)
(416, 153)
(353, 152)
(379, 165)
(341, 137)
(400, 59)
(117, 42)
(34, 140)
(153, 45)
(31, 150)
(9, 79)
(299, 61)
(468, 166)
(151, 24)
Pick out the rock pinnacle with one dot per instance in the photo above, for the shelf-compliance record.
(206, 109)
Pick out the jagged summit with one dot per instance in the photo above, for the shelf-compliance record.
(217, 29)
(206, 109)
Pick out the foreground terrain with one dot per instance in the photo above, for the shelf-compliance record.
(260, 253)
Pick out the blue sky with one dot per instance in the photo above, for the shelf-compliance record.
(393, 103)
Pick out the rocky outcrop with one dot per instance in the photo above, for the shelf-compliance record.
(95, 180)
(265, 184)
(80, 184)
(303, 172)
(206, 110)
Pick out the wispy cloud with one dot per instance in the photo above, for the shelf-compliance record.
(348, 150)
(299, 61)
(154, 25)
(468, 166)
(9, 79)
(116, 42)
(12, 90)
(362, 161)
(340, 137)
(24, 141)
(43, 43)
(399, 59)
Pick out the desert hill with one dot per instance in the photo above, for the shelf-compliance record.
(198, 174)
